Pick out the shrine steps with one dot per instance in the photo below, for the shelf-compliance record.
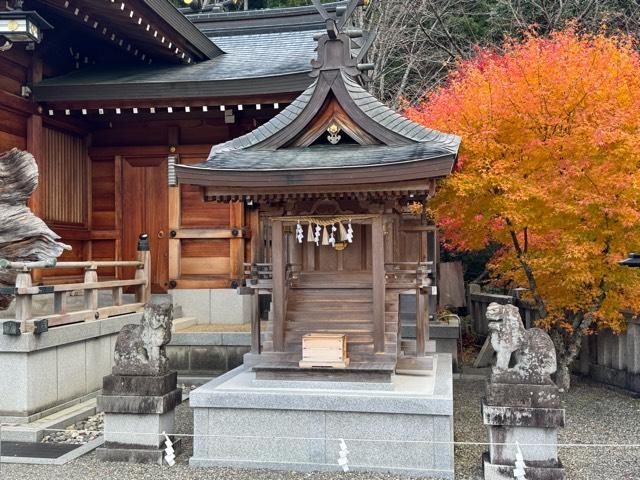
(337, 310)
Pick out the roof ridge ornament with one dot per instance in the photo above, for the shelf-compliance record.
(337, 48)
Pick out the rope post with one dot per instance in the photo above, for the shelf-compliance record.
(23, 301)
(143, 292)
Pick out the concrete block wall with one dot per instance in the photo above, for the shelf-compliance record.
(213, 306)
(40, 374)
(206, 353)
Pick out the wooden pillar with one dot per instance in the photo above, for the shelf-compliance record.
(117, 195)
(255, 322)
(279, 285)
(143, 292)
(236, 248)
(420, 324)
(377, 251)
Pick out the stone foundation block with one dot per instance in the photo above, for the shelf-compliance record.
(143, 385)
(131, 430)
(114, 452)
(505, 472)
(139, 404)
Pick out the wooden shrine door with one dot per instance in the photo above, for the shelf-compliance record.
(145, 209)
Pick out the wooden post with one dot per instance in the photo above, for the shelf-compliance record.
(255, 322)
(60, 302)
(420, 323)
(91, 295)
(143, 292)
(23, 302)
(377, 251)
(116, 294)
(279, 285)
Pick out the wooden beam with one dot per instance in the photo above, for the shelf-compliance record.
(279, 285)
(211, 233)
(377, 252)
(150, 150)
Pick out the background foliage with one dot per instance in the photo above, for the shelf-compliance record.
(548, 169)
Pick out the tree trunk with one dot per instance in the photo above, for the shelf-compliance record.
(563, 375)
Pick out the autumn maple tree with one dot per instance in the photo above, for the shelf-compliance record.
(549, 169)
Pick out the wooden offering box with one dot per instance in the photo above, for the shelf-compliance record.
(324, 350)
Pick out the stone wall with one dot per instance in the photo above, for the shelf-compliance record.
(41, 374)
(613, 359)
(207, 353)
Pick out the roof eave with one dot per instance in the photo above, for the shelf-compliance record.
(245, 182)
(289, 83)
(181, 24)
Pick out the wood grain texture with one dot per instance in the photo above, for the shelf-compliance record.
(23, 236)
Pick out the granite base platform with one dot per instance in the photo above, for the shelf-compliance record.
(296, 425)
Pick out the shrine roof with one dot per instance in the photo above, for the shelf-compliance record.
(252, 64)
(326, 157)
(367, 144)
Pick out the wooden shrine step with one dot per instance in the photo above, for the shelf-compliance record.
(362, 315)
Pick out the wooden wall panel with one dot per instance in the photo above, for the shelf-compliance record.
(196, 213)
(104, 250)
(9, 141)
(65, 275)
(64, 169)
(103, 216)
(205, 266)
(205, 248)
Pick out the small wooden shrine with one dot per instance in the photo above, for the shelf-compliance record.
(331, 176)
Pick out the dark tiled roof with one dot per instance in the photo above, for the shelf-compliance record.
(254, 59)
(323, 157)
(277, 123)
(390, 119)
(367, 103)
(216, 24)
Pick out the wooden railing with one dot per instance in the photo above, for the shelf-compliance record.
(413, 275)
(25, 291)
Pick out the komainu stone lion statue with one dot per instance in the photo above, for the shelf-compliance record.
(535, 355)
(140, 349)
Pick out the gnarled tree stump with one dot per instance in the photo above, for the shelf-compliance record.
(23, 236)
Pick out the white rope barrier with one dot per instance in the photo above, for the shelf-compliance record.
(387, 441)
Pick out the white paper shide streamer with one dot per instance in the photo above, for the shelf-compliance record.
(342, 459)
(518, 471)
(169, 452)
(299, 233)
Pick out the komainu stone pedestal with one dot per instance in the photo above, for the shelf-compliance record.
(528, 415)
(140, 396)
(521, 408)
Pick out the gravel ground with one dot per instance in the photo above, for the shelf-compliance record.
(594, 414)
